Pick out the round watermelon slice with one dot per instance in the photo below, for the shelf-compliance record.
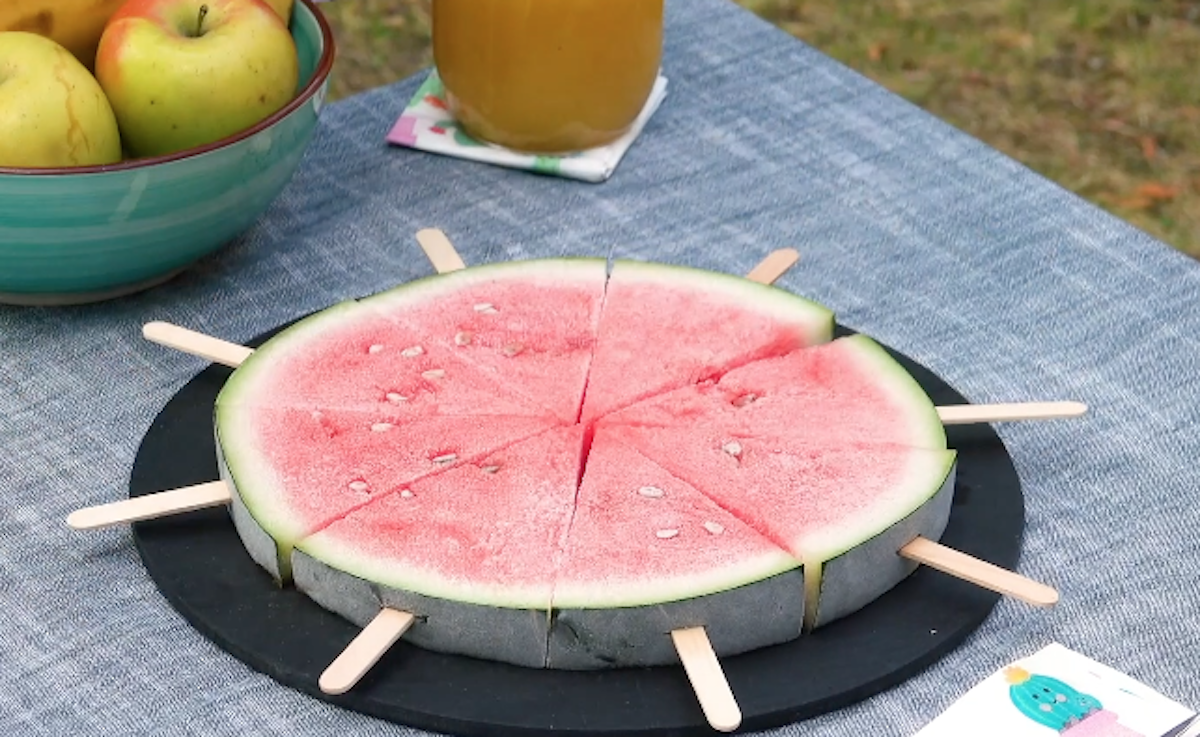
(486, 450)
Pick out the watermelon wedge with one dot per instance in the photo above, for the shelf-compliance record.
(861, 502)
(846, 391)
(647, 553)
(528, 325)
(471, 551)
(296, 470)
(664, 327)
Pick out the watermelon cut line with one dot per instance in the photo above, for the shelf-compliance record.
(472, 326)
(472, 460)
(398, 578)
(289, 530)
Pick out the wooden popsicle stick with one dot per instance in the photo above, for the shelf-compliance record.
(979, 572)
(774, 266)
(707, 678)
(365, 650)
(962, 414)
(439, 250)
(151, 506)
(197, 344)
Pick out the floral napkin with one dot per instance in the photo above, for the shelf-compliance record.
(427, 125)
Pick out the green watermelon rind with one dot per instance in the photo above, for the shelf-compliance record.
(258, 507)
(240, 386)
(382, 573)
(561, 269)
(911, 398)
(841, 585)
(926, 475)
(516, 636)
(262, 546)
(786, 307)
(743, 572)
(759, 614)
(259, 503)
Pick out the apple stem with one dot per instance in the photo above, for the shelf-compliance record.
(200, 21)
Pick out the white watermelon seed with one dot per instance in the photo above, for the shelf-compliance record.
(744, 400)
(486, 308)
(359, 486)
(651, 491)
(412, 351)
(513, 349)
(381, 426)
(316, 415)
(434, 374)
(666, 534)
(375, 348)
(406, 494)
(396, 398)
(715, 528)
(448, 458)
(463, 338)
(733, 448)
(490, 469)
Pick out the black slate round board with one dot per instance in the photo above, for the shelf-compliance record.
(198, 563)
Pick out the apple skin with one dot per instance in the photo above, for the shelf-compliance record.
(52, 111)
(185, 73)
(283, 8)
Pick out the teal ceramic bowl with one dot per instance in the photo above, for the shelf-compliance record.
(70, 236)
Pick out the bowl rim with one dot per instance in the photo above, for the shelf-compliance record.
(320, 74)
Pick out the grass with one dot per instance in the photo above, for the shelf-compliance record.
(1101, 96)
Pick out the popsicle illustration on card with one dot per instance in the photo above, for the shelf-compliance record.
(1058, 691)
(1055, 704)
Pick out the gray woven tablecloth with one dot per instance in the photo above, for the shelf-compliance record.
(1007, 286)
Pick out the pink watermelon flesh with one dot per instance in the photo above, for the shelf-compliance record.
(353, 358)
(843, 392)
(815, 501)
(849, 390)
(296, 470)
(642, 535)
(662, 329)
(486, 532)
(530, 326)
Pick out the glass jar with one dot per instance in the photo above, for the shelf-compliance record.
(547, 76)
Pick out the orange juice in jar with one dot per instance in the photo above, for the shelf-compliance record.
(547, 76)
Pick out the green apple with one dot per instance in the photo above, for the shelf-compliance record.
(283, 8)
(185, 73)
(52, 111)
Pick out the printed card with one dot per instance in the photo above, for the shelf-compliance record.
(1057, 691)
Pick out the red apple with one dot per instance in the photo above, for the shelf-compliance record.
(184, 73)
